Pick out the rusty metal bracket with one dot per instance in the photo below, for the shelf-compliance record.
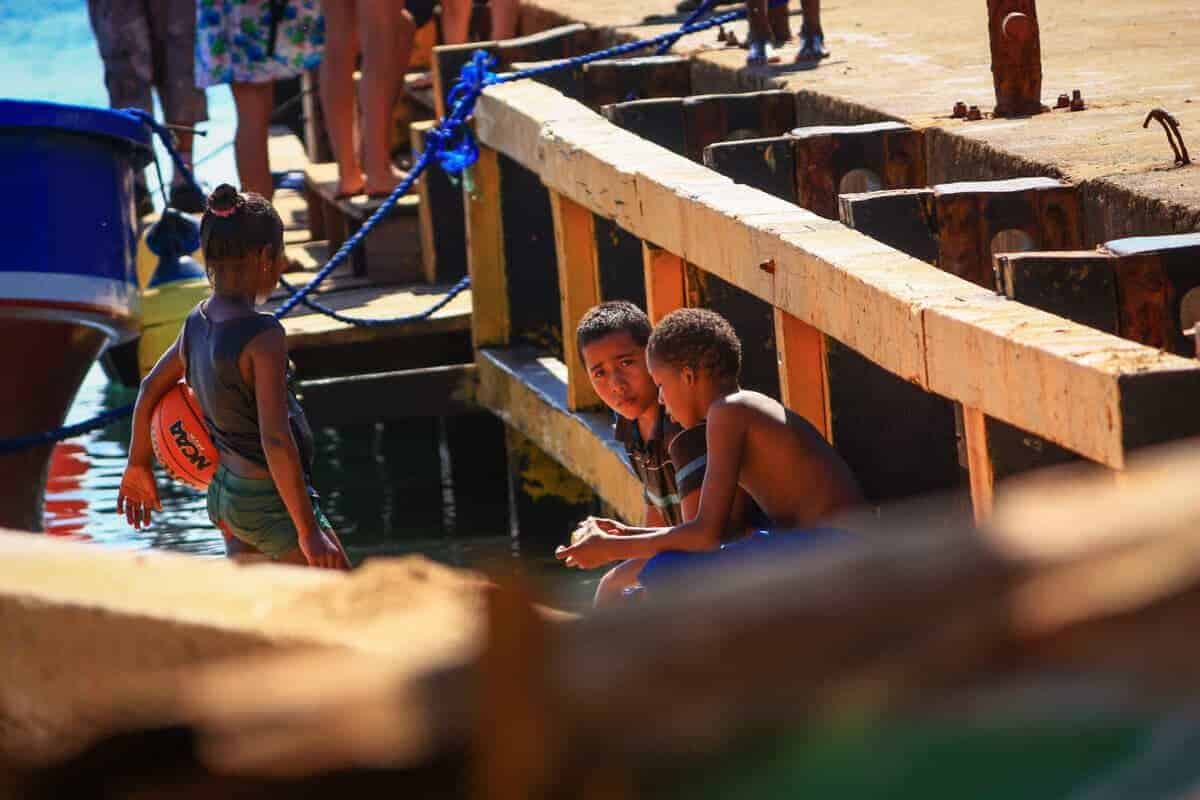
(1171, 126)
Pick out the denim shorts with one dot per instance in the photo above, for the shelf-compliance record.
(252, 510)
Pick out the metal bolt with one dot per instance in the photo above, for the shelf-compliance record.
(1077, 101)
(960, 110)
(973, 113)
(1064, 101)
(721, 34)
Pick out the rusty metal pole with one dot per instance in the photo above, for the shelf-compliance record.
(1016, 57)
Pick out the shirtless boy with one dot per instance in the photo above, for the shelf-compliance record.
(611, 338)
(754, 444)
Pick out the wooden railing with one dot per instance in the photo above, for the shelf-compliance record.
(1084, 390)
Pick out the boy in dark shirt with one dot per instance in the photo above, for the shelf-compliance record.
(612, 343)
(754, 445)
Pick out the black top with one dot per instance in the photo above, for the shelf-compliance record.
(211, 351)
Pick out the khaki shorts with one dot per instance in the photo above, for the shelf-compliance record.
(252, 510)
(150, 43)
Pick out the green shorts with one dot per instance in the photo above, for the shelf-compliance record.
(252, 510)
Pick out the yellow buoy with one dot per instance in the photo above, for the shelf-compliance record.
(164, 308)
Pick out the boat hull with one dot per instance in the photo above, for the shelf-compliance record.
(68, 285)
(38, 399)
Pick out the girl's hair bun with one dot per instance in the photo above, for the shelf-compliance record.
(224, 200)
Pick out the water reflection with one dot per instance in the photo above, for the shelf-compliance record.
(387, 488)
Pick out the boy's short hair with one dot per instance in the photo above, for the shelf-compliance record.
(697, 338)
(612, 317)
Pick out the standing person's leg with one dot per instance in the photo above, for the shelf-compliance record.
(812, 37)
(253, 102)
(173, 40)
(386, 30)
(456, 21)
(123, 37)
(505, 16)
(760, 32)
(337, 92)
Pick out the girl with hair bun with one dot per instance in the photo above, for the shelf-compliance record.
(235, 361)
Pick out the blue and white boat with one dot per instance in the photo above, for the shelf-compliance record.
(68, 287)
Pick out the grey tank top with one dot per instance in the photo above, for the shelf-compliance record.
(211, 351)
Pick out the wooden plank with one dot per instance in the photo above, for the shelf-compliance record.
(715, 117)
(898, 218)
(307, 328)
(882, 155)
(442, 220)
(552, 44)
(490, 323)
(448, 61)
(620, 80)
(1079, 286)
(316, 141)
(392, 251)
(979, 463)
(425, 212)
(579, 288)
(664, 275)
(1055, 378)
(766, 164)
(529, 392)
(658, 120)
(803, 379)
(377, 397)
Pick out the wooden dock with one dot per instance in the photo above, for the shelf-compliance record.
(356, 374)
(858, 330)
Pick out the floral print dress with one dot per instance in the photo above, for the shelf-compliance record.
(254, 41)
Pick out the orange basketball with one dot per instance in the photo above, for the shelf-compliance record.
(180, 439)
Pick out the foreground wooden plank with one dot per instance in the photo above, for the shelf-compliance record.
(529, 392)
(910, 318)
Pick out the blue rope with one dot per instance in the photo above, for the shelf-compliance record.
(19, 443)
(450, 142)
(374, 322)
(168, 140)
(700, 11)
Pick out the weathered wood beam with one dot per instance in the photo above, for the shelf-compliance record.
(579, 289)
(664, 274)
(428, 392)
(1041, 373)
(490, 323)
(529, 392)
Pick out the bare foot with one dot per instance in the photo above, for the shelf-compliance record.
(419, 80)
(812, 49)
(383, 187)
(348, 186)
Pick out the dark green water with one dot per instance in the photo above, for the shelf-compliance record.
(388, 489)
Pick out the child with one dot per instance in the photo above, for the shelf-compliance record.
(611, 338)
(753, 442)
(235, 360)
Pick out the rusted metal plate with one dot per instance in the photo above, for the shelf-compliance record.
(715, 118)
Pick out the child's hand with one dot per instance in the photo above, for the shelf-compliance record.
(593, 524)
(320, 550)
(590, 550)
(138, 495)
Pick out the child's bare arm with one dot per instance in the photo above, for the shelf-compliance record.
(138, 494)
(726, 435)
(268, 361)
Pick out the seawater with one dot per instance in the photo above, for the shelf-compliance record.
(384, 495)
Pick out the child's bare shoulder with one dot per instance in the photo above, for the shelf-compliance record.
(749, 405)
